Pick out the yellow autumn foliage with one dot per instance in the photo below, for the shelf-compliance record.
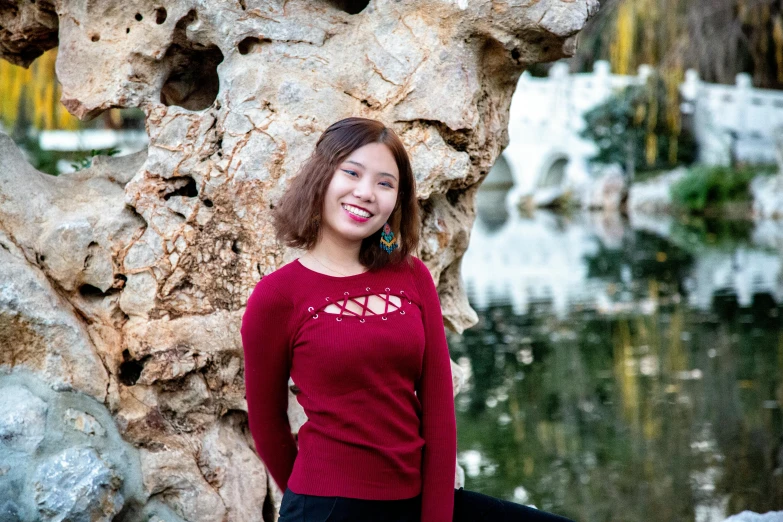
(643, 32)
(34, 94)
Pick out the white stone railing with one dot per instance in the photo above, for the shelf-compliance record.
(547, 116)
(738, 118)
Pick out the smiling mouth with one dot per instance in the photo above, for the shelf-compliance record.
(357, 212)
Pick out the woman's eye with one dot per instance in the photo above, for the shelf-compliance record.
(349, 171)
(387, 184)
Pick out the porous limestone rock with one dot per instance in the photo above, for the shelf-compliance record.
(27, 29)
(76, 485)
(61, 455)
(127, 280)
(22, 420)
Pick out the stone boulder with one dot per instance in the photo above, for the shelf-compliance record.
(607, 191)
(654, 196)
(127, 281)
(61, 455)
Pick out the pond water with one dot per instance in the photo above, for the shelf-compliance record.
(623, 369)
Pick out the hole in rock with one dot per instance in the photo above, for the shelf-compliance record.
(183, 187)
(90, 291)
(235, 247)
(350, 6)
(127, 30)
(207, 203)
(95, 37)
(453, 196)
(130, 370)
(251, 44)
(160, 15)
(192, 82)
(87, 290)
(243, 5)
(138, 17)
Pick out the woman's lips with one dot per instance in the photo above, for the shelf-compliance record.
(360, 219)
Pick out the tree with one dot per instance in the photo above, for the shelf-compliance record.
(718, 38)
(640, 128)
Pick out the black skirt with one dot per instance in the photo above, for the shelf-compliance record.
(469, 506)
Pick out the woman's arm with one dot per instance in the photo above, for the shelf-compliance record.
(436, 394)
(265, 340)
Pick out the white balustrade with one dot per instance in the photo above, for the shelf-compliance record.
(547, 115)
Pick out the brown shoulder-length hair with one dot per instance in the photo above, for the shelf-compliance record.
(297, 215)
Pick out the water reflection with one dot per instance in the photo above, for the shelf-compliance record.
(623, 371)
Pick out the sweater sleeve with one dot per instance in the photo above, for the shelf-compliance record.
(265, 341)
(436, 395)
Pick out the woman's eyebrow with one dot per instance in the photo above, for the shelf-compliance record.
(381, 173)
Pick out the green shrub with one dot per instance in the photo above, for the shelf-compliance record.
(707, 186)
(84, 160)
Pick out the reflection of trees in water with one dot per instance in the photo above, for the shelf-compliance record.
(641, 257)
(747, 374)
(693, 233)
(626, 417)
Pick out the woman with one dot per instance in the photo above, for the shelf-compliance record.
(356, 322)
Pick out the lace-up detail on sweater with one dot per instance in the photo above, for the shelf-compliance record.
(362, 304)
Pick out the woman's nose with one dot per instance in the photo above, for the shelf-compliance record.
(364, 191)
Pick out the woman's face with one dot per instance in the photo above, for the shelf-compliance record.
(367, 179)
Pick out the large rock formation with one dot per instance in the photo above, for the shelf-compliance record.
(127, 281)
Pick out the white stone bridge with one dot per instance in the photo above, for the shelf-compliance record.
(546, 153)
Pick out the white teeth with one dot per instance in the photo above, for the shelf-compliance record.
(356, 211)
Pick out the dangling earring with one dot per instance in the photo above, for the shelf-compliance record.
(387, 239)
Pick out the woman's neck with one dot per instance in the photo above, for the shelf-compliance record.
(341, 257)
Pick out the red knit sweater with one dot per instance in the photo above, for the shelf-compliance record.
(376, 389)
